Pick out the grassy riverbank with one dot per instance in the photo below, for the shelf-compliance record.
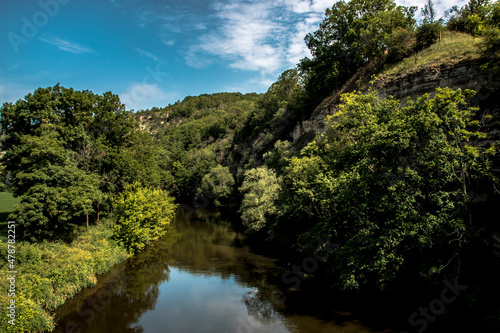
(48, 274)
(7, 203)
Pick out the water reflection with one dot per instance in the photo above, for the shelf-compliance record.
(200, 277)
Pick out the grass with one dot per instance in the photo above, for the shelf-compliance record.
(7, 203)
(454, 47)
(49, 273)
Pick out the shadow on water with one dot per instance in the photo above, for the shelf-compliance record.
(201, 277)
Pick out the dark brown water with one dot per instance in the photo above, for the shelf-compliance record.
(202, 277)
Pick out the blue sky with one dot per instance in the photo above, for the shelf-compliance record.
(153, 53)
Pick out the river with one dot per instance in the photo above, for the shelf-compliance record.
(203, 277)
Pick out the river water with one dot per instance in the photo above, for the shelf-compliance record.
(202, 277)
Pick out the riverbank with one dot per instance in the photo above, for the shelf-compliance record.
(45, 275)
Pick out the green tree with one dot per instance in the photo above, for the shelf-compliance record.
(353, 35)
(260, 190)
(217, 185)
(142, 215)
(472, 17)
(55, 194)
(426, 35)
(392, 184)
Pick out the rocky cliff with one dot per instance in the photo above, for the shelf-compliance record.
(413, 84)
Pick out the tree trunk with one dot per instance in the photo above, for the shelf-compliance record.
(87, 216)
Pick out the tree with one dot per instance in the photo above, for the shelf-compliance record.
(472, 17)
(260, 189)
(68, 152)
(392, 184)
(55, 194)
(353, 35)
(429, 13)
(217, 185)
(142, 215)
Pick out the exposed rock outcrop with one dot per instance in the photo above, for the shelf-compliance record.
(464, 75)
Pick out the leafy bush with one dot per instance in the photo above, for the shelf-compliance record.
(141, 216)
(426, 35)
(217, 184)
(260, 191)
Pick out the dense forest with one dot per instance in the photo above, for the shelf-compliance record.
(404, 189)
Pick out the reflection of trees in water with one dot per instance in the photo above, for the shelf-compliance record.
(199, 243)
(260, 309)
(117, 303)
(212, 247)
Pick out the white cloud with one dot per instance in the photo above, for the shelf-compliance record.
(260, 36)
(143, 96)
(147, 54)
(66, 45)
(169, 42)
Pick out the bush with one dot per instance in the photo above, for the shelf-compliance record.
(426, 35)
(260, 190)
(141, 216)
(217, 184)
(473, 25)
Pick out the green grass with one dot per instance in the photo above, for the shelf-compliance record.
(454, 47)
(7, 203)
(49, 273)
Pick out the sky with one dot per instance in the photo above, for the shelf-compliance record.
(154, 53)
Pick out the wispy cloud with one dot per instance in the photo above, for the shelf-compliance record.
(65, 45)
(114, 2)
(262, 36)
(147, 54)
(142, 96)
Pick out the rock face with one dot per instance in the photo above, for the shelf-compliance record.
(464, 75)
(461, 75)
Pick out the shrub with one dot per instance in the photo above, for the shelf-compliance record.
(260, 190)
(426, 35)
(141, 216)
(217, 184)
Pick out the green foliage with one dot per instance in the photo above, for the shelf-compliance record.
(353, 34)
(51, 273)
(217, 185)
(391, 184)
(142, 215)
(68, 152)
(491, 45)
(278, 158)
(473, 17)
(400, 44)
(260, 191)
(196, 135)
(426, 35)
